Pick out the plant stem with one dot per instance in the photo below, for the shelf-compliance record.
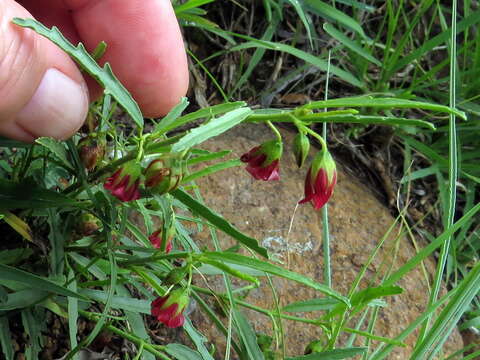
(275, 130)
(136, 340)
(301, 126)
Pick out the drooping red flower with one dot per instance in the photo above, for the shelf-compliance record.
(320, 181)
(156, 239)
(124, 182)
(264, 160)
(168, 309)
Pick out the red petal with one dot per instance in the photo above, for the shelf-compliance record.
(109, 183)
(267, 173)
(249, 155)
(176, 321)
(157, 304)
(155, 239)
(165, 315)
(308, 188)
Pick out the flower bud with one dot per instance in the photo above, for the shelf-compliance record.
(175, 276)
(157, 238)
(91, 150)
(88, 224)
(163, 175)
(301, 147)
(316, 346)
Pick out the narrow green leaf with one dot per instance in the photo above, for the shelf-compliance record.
(212, 169)
(181, 352)
(259, 52)
(448, 318)
(191, 4)
(311, 305)
(118, 302)
(371, 293)
(34, 281)
(56, 147)
(324, 9)
(6, 338)
(32, 326)
(103, 75)
(22, 299)
(72, 304)
(301, 14)
(441, 38)
(383, 103)
(349, 43)
(307, 57)
(198, 339)
(172, 116)
(28, 195)
(368, 120)
(336, 354)
(247, 335)
(213, 128)
(136, 322)
(218, 221)
(430, 248)
(207, 156)
(199, 114)
(233, 258)
(14, 256)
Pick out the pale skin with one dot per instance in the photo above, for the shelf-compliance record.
(42, 91)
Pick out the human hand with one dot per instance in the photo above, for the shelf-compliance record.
(42, 92)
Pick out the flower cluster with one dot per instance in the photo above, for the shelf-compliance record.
(161, 176)
(263, 163)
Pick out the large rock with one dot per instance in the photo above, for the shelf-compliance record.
(358, 221)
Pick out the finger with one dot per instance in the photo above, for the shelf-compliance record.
(145, 47)
(42, 93)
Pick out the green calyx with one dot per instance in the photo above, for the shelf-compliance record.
(133, 170)
(176, 275)
(301, 147)
(164, 174)
(323, 160)
(273, 149)
(178, 296)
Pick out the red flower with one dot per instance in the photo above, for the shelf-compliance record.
(320, 181)
(123, 184)
(263, 160)
(169, 309)
(156, 240)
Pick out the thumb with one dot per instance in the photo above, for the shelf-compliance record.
(42, 92)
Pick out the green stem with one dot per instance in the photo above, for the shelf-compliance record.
(323, 324)
(327, 269)
(140, 151)
(275, 130)
(301, 127)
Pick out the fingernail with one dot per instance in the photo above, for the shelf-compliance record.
(57, 109)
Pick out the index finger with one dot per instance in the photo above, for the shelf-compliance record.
(144, 47)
